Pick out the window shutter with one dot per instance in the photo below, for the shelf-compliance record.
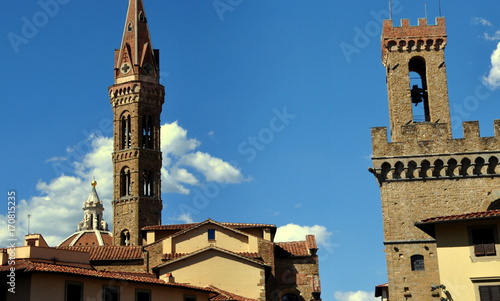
(489, 249)
(489, 293)
(479, 250)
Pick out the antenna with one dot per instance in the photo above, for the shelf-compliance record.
(29, 217)
(425, 8)
(439, 6)
(390, 9)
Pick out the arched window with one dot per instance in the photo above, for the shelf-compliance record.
(126, 132)
(289, 297)
(147, 132)
(125, 238)
(148, 184)
(418, 89)
(417, 262)
(125, 182)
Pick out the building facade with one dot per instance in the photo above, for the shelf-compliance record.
(421, 169)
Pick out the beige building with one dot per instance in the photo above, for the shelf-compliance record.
(44, 273)
(468, 254)
(421, 169)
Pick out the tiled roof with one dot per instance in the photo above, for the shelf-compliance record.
(187, 226)
(33, 266)
(228, 296)
(292, 248)
(427, 225)
(461, 217)
(110, 252)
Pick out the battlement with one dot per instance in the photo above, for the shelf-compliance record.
(426, 152)
(413, 38)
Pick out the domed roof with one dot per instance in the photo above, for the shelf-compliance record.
(88, 238)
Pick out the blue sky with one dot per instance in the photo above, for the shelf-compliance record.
(266, 118)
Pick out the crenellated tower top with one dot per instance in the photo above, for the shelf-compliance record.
(413, 38)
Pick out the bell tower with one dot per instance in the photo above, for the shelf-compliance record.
(422, 171)
(137, 98)
(416, 75)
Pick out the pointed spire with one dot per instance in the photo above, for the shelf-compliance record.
(136, 59)
(92, 212)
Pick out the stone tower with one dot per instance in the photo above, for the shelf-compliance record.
(136, 98)
(422, 171)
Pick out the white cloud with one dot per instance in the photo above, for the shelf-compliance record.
(184, 218)
(493, 78)
(57, 209)
(181, 161)
(493, 37)
(481, 21)
(355, 296)
(214, 169)
(293, 232)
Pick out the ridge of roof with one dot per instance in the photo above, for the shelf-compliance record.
(189, 225)
(208, 248)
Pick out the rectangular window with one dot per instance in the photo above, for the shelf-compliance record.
(483, 240)
(110, 293)
(489, 293)
(142, 295)
(74, 291)
(189, 298)
(211, 234)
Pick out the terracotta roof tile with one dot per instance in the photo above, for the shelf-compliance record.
(292, 248)
(33, 266)
(228, 296)
(461, 217)
(110, 252)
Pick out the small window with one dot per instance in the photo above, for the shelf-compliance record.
(142, 295)
(489, 293)
(74, 291)
(483, 240)
(417, 262)
(211, 234)
(110, 293)
(189, 298)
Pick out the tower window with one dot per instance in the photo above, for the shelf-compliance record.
(148, 184)
(417, 262)
(126, 132)
(125, 238)
(125, 182)
(147, 132)
(418, 90)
